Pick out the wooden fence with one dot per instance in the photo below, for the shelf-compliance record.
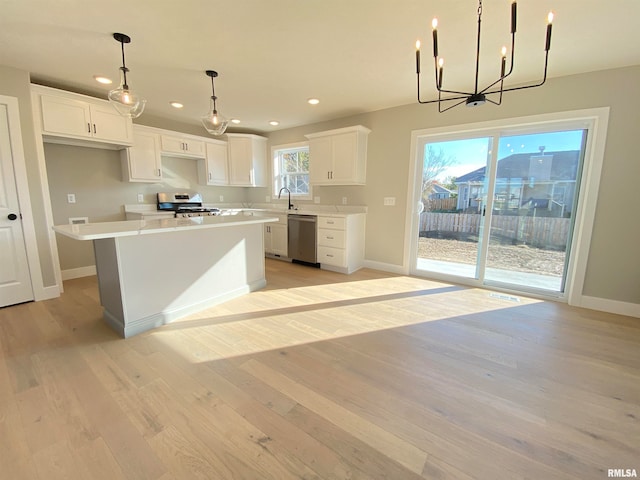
(544, 232)
(434, 204)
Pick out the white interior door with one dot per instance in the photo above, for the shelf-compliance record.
(15, 279)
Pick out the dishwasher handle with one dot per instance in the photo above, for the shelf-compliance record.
(303, 218)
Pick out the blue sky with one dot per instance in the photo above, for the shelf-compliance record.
(472, 153)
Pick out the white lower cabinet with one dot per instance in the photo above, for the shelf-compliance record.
(341, 242)
(275, 237)
(142, 162)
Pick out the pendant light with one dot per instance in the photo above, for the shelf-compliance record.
(215, 123)
(126, 102)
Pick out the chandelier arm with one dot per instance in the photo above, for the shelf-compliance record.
(524, 87)
(451, 106)
(501, 79)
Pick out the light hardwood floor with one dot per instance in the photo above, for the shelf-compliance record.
(321, 376)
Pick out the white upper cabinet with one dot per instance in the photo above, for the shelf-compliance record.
(214, 170)
(142, 162)
(182, 146)
(71, 118)
(338, 157)
(247, 160)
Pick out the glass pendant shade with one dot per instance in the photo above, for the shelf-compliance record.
(126, 102)
(213, 122)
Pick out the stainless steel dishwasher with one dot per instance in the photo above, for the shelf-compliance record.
(302, 238)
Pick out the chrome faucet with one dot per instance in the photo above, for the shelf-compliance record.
(289, 192)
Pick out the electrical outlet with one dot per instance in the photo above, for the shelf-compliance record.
(71, 198)
(389, 201)
(222, 198)
(268, 199)
(316, 199)
(344, 200)
(140, 198)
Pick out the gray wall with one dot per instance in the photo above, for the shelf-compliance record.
(614, 265)
(95, 177)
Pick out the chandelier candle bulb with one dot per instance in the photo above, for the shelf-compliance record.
(504, 61)
(434, 24)
(418, 56)
(513, 17)
(549, 25)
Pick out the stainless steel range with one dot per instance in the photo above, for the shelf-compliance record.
(185, 205)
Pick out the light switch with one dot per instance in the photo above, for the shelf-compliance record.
(140, 198)
(389, 201)
(71, 198)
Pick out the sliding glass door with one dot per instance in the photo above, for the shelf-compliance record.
(499, 209)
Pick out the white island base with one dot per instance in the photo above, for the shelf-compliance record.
(156, 275)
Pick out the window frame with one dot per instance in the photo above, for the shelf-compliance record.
(276, 167)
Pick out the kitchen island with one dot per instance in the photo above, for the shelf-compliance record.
(151, 272)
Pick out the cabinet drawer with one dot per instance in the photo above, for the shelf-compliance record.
(331, 238)
(331, 256)
(336, 223)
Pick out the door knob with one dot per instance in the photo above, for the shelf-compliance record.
(12, 216)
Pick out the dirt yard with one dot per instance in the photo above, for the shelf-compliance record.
(520, 258)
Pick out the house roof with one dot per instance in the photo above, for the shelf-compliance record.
(437, 188)
(564, 166)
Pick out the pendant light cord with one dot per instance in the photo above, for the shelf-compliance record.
(124, 69)
(213, 96)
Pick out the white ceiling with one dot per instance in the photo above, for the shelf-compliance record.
(272, 55)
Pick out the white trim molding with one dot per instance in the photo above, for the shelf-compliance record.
(596, 120)
(611, 306)
(79, 272)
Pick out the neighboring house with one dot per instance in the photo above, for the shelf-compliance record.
(438, 192)
(525, 180)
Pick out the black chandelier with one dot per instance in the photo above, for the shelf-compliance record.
(479, 97)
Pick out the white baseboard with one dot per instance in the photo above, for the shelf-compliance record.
(386, 267)
(78, 272)
(610, 306)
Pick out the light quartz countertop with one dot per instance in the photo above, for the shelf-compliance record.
(94, 231)
(260, 210)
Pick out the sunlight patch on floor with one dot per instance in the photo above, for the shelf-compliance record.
(251, 324)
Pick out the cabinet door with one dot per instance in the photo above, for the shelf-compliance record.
(216, 161)
(142, 161)
(240, 161)
(194, 147)
(108, 124)
(172, 144)
(320, 159)
(279, 239)
(345, 152)
(65, 116)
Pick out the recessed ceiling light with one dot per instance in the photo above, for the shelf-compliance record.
(235, 120)
(313, 101)
(176, 104)
(274, 123)
(103, 80)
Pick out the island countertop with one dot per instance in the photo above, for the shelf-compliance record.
(95, 231)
